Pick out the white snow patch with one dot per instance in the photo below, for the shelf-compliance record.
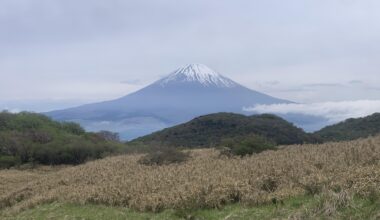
(198, 73)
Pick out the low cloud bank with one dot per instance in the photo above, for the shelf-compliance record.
(11, 110)
(332, 111)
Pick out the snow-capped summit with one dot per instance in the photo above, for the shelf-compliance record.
(197, 73)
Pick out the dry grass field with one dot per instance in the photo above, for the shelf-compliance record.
(208, 180)
(15, 178)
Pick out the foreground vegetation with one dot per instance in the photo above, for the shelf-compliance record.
(36, 139)
(301, 207)
(338, 176)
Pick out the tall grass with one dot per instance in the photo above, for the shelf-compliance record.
(208, 179)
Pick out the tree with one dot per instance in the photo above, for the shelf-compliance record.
(109, 136)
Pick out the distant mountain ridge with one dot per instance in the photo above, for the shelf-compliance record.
(188, 92)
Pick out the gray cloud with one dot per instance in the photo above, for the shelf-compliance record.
(356, 82)
(90, 46)
(322, 92)
(324, 85)
(132, 82)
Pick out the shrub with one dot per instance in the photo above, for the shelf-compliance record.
(108, 136)
(73, 128)
(7, 162)
(247, 145)
(4, 119)
(41, 137)
(269, 184)
(164, 156)
(313, 188)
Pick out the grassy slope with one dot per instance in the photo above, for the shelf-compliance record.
(206, 180)
(305, 207)
(336, 173)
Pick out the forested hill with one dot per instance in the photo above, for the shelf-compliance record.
(351, 129)
(211, 130)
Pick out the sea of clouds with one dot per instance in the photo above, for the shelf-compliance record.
(332, 111)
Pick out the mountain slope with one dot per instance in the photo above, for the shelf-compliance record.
(210, 130)
(352, 129)
(188, 92)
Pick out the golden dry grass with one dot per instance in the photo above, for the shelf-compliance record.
(206, 180)
(15, 178)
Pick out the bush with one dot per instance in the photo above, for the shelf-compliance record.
(75, 152)
(108, 136)
(269, 184)
(313, 188)
(164, 156)
(41, 137)
(247, 145)
(73, 128)
(7, 162)
(4, 119)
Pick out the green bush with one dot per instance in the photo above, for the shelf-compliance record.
(247, 145)
(164, 156)
(7, 162)
(73, 128)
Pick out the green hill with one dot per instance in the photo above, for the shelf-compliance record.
(34, 138)
(352, 129)
(211, 130)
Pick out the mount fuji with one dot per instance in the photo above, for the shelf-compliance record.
(188, 92)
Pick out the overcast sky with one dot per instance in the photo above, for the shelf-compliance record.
(60, 53)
